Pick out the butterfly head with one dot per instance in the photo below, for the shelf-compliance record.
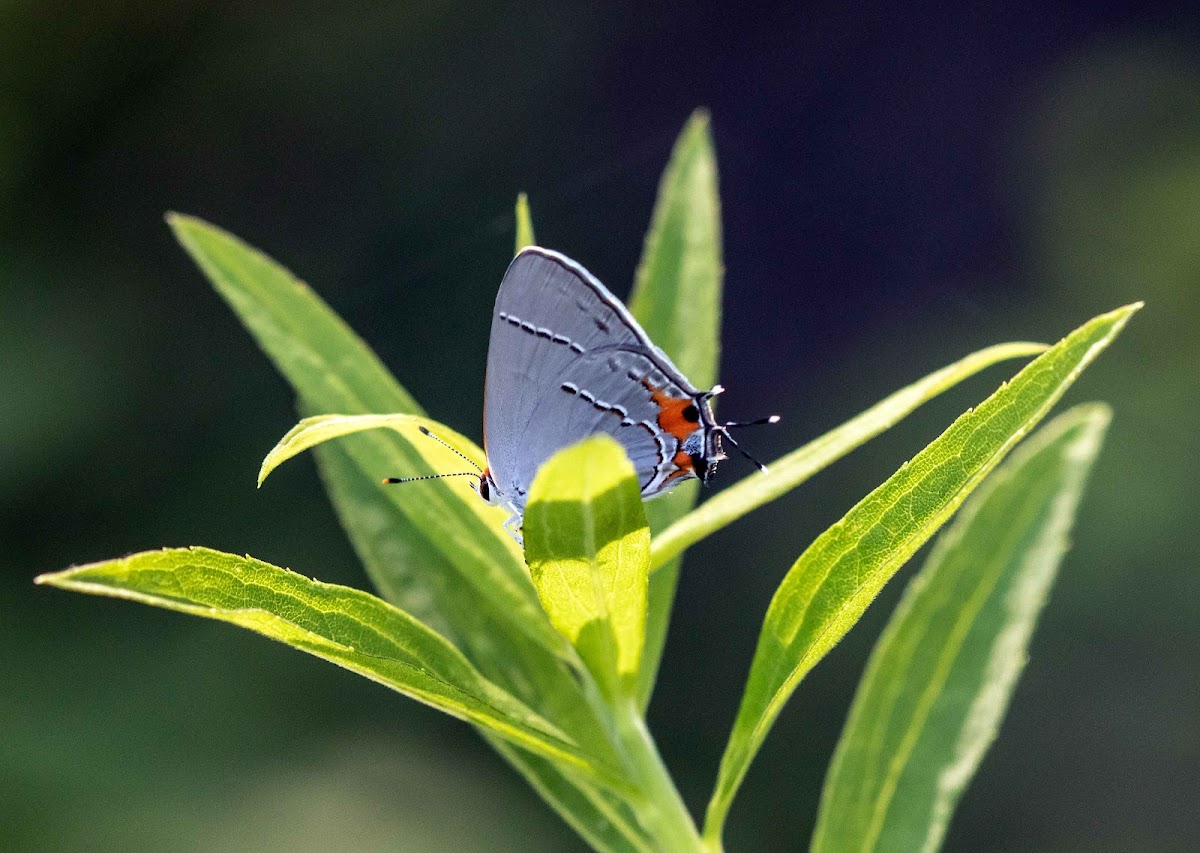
(712, 435)
(487, 488)
(702, 449)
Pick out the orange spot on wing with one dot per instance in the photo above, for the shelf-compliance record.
(670, 413)
(683, 466)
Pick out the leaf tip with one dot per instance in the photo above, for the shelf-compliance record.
(187, 229)
(1097, 412)
(1092, 421)
(1111, 323)
(63, 578)
(268, 465)
(1121, 315)
(180, 222)
(696, 135)
(524, 223)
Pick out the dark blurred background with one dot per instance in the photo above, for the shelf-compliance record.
(899, 188)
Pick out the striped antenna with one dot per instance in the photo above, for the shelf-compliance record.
(393, 480)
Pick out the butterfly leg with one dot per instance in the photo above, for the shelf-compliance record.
(513, 526)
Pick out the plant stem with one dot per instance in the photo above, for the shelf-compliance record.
(660, 809)
(713, 843)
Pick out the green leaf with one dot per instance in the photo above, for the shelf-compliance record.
(677, 299)
(513, 659)
(524, 224)
(397, 565)
(942, 674)
(788, 472)
(351, 628)
(320, 428)
(588, 549)
(835, 579)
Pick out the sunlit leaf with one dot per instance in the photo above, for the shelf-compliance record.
(677, 299)
(524, 225)
(941, 675)
(320, 428)
(835, 579)
(588, 549)
(351, 628)
(788, 472)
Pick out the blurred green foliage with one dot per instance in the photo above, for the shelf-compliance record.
(379, 149)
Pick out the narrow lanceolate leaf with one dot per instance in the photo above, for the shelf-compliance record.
(524, 225)
(588, 549)
(677, 299)
(833, 581)
(346, 626)
(321, 428)
(518, 666)
(941, 676)
(788, 472)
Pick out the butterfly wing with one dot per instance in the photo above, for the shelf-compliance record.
(567, 360)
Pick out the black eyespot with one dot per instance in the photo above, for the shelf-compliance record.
(691, 414)
(700, 466)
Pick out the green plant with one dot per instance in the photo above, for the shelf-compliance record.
(552, 652)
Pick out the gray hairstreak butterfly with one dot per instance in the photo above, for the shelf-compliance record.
(567, 360)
